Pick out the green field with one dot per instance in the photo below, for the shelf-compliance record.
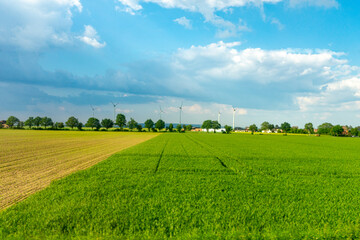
(200, 186)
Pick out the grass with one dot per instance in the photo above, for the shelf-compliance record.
(196, 186)
(30, 160)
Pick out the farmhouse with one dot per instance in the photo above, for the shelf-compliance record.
(212, 130)
(266, 131)
(196, 129)
(3, 123)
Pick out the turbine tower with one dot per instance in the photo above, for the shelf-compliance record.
(114, 104)
(234, 110)
(219, 113)
(93, 110)
(180, 108)
(161, 111)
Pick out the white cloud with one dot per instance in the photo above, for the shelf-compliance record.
(305, 102)
(276, 22)
(337, 95)
(310, 79)
(32, 25)
(351, 85)
(184, 22)
(242, 26)
(241, 111)
(196, 109)
(91, 37)
(208, 8)
(120, 110)
(222, 61)
(133, 4)
(126, 10)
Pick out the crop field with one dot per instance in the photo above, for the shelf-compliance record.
(196, 186)
(30, 160)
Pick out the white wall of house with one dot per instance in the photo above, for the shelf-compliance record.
(212, 130)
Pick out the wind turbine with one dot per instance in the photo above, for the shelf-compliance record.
(219, 114)
(93, 110)
(180, 108)
(234, 110)
(114, 104)
(161, 111)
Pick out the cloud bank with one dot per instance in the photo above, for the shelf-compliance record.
(219, 72)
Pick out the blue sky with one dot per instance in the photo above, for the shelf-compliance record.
(274, 60)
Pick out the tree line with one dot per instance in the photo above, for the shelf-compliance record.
(323, 129)
(94, 124)
(285, 127)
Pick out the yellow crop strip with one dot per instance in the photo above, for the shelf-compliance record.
(30, 160)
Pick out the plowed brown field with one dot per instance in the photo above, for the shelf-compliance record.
(30, 160)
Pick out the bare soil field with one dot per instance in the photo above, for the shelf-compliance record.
(30, 160)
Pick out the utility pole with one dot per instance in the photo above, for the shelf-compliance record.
(234, 110)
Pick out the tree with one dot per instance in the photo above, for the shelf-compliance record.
(171, 127)
(45, 121)
(184, 127)
(265, 126)
(79, 126)
(271, 127)
(207, 124)
(189, 127)
(59, 125)
(228, 129)
(253, 128)
(337, 130)
(20, 124)
(107, 123)
(149, 124)
(354, 131)
(215, 125)
(160, 124)
(309, 127)
(121, 121)
(29, 122)
(93, 123)
(139, 127)
(11, 121)
(72, 122)
(132, 124)
(178, 128)
(37, 121)
(285, 126)
(325, 128)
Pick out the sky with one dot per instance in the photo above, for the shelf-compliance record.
(273, 60)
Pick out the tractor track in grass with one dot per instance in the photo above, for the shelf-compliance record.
(161, 154)
(209, 151)
(207, 147)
